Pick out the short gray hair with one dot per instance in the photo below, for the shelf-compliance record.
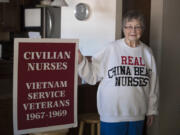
(130, 15)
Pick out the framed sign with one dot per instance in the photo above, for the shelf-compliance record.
(44, 85)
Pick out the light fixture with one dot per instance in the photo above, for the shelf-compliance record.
(82, 11)
(63, 3)
(45, 2)
(59, 3)
(4, 0)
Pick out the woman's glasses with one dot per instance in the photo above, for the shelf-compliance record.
(138, 28)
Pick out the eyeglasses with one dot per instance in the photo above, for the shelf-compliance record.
(138, 28)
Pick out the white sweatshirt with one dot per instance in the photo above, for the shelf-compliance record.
(128, 88)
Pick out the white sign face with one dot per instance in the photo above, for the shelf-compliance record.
(44, 85)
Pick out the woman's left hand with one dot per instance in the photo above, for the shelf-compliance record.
(150, 119)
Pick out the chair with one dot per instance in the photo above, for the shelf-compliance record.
(92, 119)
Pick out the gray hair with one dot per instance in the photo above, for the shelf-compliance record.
(134, 15)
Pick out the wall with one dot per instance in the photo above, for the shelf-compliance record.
(170, 70)
(95, 32)
(165, 39)
(119, 4)
(156, 26)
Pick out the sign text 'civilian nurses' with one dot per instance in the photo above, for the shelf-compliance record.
(44, 66)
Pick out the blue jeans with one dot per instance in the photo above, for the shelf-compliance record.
(122, 128)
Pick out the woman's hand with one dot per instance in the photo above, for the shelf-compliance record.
(150, 119)
(80, 57)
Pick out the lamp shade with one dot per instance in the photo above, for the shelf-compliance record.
(63, 3)
(4, 0)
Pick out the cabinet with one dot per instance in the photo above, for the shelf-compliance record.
(10, 16)
(28, 2)
(6, 121)
(6, 77)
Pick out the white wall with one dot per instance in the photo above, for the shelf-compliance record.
(95, 32)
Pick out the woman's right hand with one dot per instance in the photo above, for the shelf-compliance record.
(80, 57)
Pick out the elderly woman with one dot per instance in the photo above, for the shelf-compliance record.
(128, 89)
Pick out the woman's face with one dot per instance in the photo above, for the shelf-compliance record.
(132, 30)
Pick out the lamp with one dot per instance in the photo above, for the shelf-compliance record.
(4, 0)
(59, 3)
(63, 3)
